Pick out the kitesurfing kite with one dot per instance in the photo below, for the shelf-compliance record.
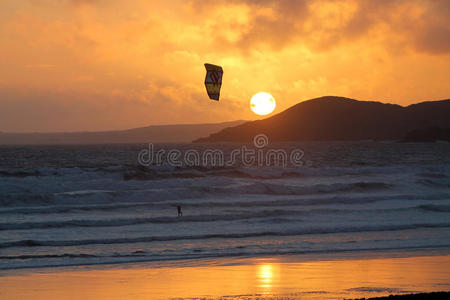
(213, 81)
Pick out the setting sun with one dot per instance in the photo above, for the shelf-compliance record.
(262, 103)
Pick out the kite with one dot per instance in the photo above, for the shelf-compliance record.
(213, 81)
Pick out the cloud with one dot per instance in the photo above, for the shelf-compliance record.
(323, 24)
(43, 110)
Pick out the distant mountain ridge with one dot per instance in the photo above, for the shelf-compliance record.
(340, 118)
(182, 133)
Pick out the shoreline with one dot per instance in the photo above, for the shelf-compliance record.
(201, 260)
(375, 274)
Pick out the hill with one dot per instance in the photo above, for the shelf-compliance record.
(157, 134)
(339, 118)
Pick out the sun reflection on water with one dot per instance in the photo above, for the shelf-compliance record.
(265, 276)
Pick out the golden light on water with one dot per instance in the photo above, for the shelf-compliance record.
(265, 276)
(262, 103)
(308, 279)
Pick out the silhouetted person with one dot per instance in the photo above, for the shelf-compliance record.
(180, 213)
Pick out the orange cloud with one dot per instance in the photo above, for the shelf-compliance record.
(71, 65)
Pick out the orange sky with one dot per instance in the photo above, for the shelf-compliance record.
(70, 65)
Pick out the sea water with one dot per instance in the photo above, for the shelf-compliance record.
(98, 204)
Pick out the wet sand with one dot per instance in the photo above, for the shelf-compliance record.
(284, 277)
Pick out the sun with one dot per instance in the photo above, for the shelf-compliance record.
(262, 103)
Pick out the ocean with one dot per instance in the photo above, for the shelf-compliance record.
(80, 205)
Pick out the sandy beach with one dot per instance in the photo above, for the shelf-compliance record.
(283, 277)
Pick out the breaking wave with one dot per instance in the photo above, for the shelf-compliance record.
(149, 239)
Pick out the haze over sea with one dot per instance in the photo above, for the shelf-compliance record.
(89, 205)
